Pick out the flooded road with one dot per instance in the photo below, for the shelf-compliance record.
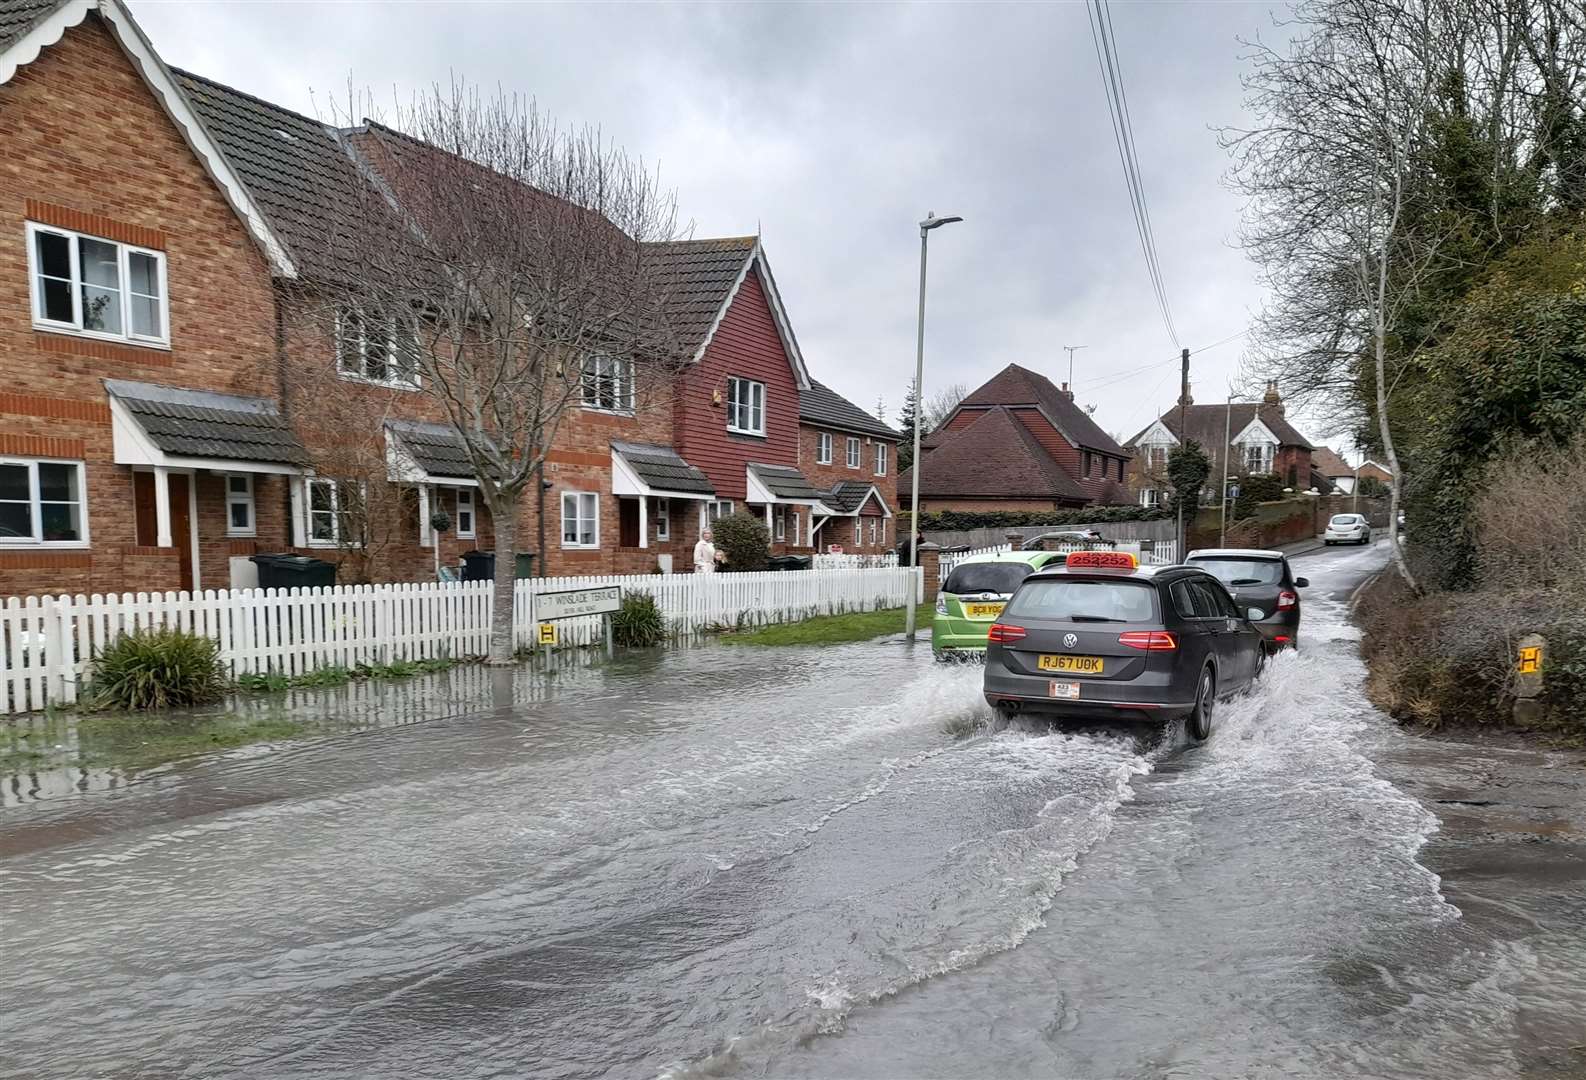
(785, 862)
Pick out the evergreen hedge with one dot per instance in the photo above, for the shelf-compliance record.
(963, 520)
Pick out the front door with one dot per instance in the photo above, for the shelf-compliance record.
(182, 527)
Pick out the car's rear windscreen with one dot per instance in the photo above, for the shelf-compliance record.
(1344, 519)
(1084, 600)
(986, 577)
(1234, 571)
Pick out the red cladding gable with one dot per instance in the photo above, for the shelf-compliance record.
(746, 345)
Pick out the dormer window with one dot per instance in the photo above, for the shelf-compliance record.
(97, 288)
(1257, 457)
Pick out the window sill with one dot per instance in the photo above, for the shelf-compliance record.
(248, 535)
(91, 335)
(580, 547)
(383, 384)
(629, 413)
(43, 545)
(746, 434)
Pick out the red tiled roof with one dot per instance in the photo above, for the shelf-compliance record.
(994, 458)
(1015, 385)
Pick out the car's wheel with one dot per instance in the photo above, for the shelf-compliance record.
(1199, 724)
(1261, 663)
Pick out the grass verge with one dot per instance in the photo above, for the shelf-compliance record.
(825, 629)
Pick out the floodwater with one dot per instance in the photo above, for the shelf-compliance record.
(777, 862)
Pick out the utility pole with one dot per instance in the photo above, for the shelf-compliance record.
(1071, 350)
(1228, 434)
(1183, 437)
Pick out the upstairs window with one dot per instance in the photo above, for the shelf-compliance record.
(608, 383)
(97, 288)
(380, 349)
(1258, 457)
(746, 406)
(881, 459)
(42, 502)
(823, 449)
(853, 453)
(1156, 458)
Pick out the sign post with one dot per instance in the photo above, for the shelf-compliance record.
(602, 600)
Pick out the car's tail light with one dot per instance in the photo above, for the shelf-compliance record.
(1150, 640)
(1002, 633)
(1287, 600)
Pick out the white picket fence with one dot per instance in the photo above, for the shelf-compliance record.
(855, 562)
(47, 644)
(1162, 553)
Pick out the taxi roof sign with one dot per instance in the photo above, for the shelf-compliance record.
(1102, 560)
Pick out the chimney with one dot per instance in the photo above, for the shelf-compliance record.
(1066, 392)
(1271, 400)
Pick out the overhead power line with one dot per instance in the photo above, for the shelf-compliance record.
(1109, 64)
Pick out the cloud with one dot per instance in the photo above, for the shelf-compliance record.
(833, 129)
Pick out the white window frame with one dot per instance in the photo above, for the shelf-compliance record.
(1264, 450)
(779, 524)
(793, 526)
(241, 498)
(1152, 450)
(586, 509)
(463, 501)
(855, 453)
(619, 371)
(874, 530)
(823, 449)
(337, 514)
(36, 504)
(718, 509)
(124, 252)
(745, 406)
(1149, 497)
(663, 519)
(392, 324)
(881, 459)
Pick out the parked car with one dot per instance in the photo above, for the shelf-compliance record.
(1088, 537)
(1260, 581)
(973, 596)
(1347, 529)
(1099, 637)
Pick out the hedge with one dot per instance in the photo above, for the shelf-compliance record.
(962, 520)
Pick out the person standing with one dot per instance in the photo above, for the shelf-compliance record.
(705, 554)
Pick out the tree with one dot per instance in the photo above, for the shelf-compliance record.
(940, 406)
(519, 269)
(1372, 488)
(908, 416)
(1188, 468)
(744, 539)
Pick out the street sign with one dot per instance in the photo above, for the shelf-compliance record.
(547, 633)
(602, 600)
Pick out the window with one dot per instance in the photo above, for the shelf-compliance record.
(1258, 457)
(239, 505)
(1085, 469)
(1150, 497)
(42, 502)
(580, 519)
(98, 287)
(779, 518)
(663, 519)
(608, 383)
(793, 525)
(465, 514)
(746, 406)
(1156, 458)
(853, 453)
(381, 349)
(335, 511)
(720, 509)
(1091, 601)
(823, 449)
(874, 531)
(881, 459)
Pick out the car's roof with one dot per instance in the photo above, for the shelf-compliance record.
(1234, 553)
(1006, 556)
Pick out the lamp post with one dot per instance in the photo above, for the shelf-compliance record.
(1228, 433)
(931, 222)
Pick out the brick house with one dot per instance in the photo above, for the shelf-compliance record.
(172, 416)
(1254, 437)
(1019, 443)
(851, 459)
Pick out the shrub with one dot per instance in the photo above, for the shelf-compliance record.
(1253, 491)
(744, 539)
(638, 624)
(157, 669)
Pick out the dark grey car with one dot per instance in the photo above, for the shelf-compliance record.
(1262, 580)
(1149, 644)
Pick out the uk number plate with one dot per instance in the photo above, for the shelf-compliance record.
(1079, 665)
(1063, 689)
(982, 611)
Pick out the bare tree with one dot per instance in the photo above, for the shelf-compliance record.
(515, 268)
(940, 405)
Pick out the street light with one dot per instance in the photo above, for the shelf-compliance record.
(931, 222)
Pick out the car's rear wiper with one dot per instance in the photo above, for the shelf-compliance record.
(1091, 618)
(1245, 581)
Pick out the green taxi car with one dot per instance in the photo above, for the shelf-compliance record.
(973, 596)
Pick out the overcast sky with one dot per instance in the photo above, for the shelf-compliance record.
(832, 129)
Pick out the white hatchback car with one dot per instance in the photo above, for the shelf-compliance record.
(1347, 529)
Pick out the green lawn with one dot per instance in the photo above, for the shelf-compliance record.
(830, 629)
